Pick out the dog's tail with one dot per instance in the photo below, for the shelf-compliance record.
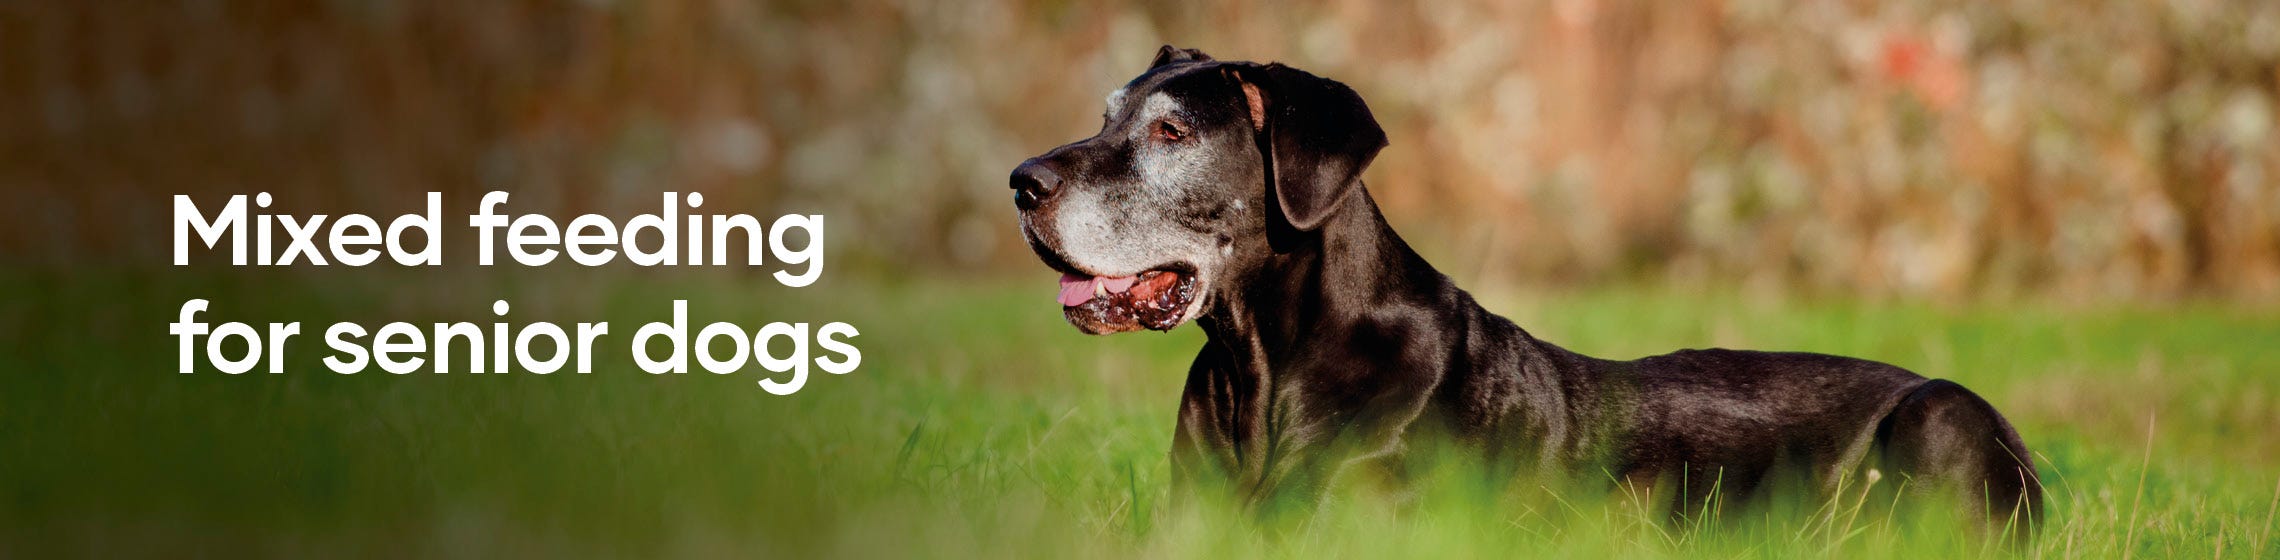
(1942, 439)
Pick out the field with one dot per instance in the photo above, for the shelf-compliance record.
(980, 424)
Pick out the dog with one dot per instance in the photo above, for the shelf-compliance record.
(1228, 194)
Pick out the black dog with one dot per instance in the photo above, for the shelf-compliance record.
(1229, 193)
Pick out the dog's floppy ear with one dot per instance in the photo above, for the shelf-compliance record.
(1317, 136)
(1169, 54)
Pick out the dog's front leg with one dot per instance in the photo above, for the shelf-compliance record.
(1214, 441)
(1312, 454)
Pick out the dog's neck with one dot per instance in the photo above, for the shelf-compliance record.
(1318, 281)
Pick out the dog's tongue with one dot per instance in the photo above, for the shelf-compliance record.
(1076, 290)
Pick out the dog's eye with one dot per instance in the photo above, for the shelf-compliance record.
(1169, 130)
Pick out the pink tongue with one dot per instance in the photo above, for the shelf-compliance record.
(1076, 290)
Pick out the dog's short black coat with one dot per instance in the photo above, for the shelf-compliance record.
(1334, 346)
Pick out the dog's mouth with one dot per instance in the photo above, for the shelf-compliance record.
(1156, 299)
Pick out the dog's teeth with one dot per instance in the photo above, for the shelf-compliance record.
(1099, 290)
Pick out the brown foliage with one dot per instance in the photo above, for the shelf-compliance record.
(2101, 149)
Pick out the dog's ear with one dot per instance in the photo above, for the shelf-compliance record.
(1170, 54)
(1316, 134)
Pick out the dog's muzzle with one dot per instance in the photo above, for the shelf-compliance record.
(1157, 298)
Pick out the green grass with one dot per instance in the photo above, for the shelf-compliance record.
(979, 423)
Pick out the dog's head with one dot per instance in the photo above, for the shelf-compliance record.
(1195, 163)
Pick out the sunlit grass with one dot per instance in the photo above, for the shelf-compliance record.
(980, 424)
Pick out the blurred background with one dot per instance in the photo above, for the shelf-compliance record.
(2121, 149)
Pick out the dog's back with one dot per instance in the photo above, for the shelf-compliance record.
(1717, 428)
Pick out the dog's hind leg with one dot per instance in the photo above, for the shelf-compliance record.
(1943, 440)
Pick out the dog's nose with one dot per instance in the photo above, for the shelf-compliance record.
(1032, 182)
